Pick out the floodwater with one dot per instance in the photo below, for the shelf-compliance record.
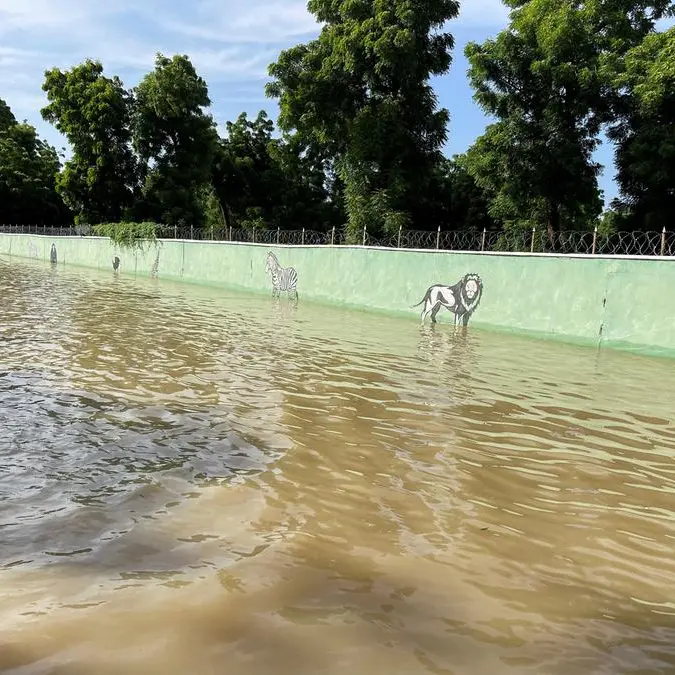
(196, 481)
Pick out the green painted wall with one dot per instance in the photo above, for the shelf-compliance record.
(621, 302)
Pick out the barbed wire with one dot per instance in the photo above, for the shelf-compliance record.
(650, 243)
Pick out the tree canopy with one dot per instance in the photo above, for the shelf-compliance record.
(359, 139)
(29, 168)
(360, 92)
(644, 133)
(93, 112)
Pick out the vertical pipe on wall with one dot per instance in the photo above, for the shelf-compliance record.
(595, 239)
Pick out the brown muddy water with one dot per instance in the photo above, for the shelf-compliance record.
(197, 481)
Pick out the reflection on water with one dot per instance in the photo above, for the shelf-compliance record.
(198, 481)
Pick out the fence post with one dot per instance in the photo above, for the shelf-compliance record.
(482, 239)
(230, 232)
(364, 235)
(175, 231)
(534, 229)
(438, 237)
(398, 243)
(253, 235)
(332, 236)
(595, 239)
(278, 233)
(303, 237)
(663, 241)
(192, 231)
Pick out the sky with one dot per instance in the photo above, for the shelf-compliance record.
(230, 42)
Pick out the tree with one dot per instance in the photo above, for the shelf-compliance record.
(245, 175)
(453, 201)
(309, 193)
(540, 79)
(531, 179)
(273, 182)
(93, 112)
(175, 140)
(28, 171)
(645, 135)
(545, 80)
(360, 95)
(7, 118)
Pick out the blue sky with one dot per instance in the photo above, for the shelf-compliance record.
(231, 42)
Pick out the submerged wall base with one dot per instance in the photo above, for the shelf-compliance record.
(613, 301)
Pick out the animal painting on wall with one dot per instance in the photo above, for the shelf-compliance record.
(461, 299)
(284, 279)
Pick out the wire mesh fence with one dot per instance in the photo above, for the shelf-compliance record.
(592, 242)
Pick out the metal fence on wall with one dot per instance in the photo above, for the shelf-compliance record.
(536, 241)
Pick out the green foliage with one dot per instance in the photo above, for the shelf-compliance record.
(133, 236)
(7, 118)
(28, 170)
(93, 112)
(214, 216)
(540, 79)
(547, 80)
(360, 94)
(644, 133)
(264, 181)
(453, 200)
(361, 132)
(175, 140)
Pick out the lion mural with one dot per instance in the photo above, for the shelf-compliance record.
(461, 299)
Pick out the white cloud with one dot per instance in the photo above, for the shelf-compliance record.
(282, 21)
(255, 21)
(231, 43)
(124, 35)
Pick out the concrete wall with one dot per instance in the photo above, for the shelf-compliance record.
(614, 301)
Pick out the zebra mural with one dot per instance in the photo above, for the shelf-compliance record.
(283, 278)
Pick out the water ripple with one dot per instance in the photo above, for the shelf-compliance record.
(191, 477)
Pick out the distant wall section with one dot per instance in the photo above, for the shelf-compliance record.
(614, 301)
